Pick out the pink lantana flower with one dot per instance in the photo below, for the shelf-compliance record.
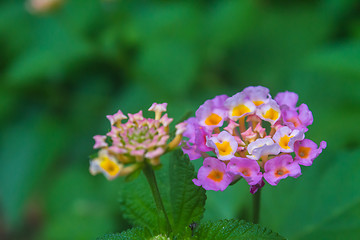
(262, 147)
(212, 175)
(246, 168)
(281, 167)
(287, 98)
(286, 138)
(306, 151)
(239, 106)
(294, 117)
(225, 145)
(258, 95)
(269, 112)
(212, 113)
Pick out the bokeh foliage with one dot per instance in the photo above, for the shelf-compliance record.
(61, 73)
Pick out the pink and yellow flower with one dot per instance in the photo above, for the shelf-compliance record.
(306, 151)
(213, 175)
(232, 128)
(225, 145)
(281, 167)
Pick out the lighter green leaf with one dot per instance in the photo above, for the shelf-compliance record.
(234, 229)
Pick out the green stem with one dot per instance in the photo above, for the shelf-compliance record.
(256, 206)
(150, 176)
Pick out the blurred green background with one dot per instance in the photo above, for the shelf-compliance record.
(62, 72)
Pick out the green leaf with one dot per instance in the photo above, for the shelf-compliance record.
(234, 229)
(138, 205)
(187, 199)
(184, 203)
(134, 233)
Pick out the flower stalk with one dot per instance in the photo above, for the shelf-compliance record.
(150, 177)
(256, 206)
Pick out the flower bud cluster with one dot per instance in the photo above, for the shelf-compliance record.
(252, 136)
(128, 146)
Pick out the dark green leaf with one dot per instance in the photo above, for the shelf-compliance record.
(131, 234)
(233, 230)
(137, 204)
(187, 199)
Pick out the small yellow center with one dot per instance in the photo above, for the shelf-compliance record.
(284, 142)
(240, 110)
(109, 166)
(258, 103)
(304, 152)
(216, 175)
(224, 148)
(282, 171)
(271, 114)
(213, 119)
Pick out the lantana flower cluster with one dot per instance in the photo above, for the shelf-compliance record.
(129, 145)
(252, 136)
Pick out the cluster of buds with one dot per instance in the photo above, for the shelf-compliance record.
(129, 146)
(250, 136)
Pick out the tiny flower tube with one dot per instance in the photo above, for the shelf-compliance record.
(116, 118)
(231, 127)
(249, 135)
(225, 145)
(269, 112)
(239, 106)
(246, 168)
(100, 141)
(281, 167)
(286, 138)
(258, 95)
(211, 114)
(105, 164)
(260, 130)
(287, 98)
(158, 108)
(306, 151)
(165, 120)
(262, 147)
(212, 175)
